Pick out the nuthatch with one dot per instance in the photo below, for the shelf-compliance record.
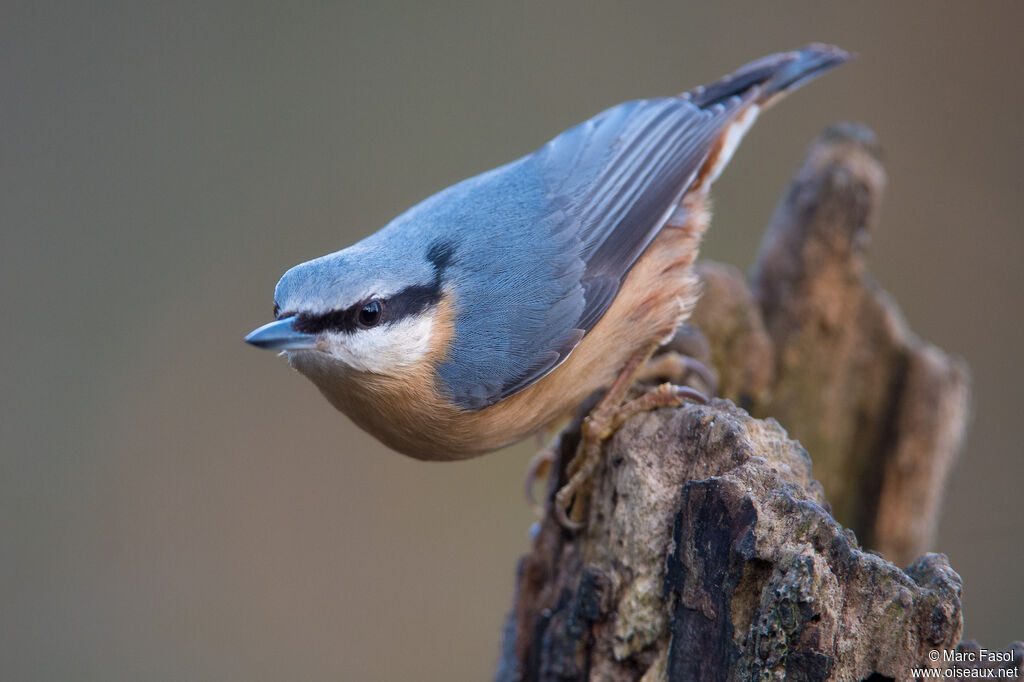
(493, 308)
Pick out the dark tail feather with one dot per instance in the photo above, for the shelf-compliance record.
(774, 75)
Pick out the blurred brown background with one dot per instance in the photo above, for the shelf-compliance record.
(179, 506)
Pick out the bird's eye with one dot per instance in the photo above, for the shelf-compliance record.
(369, 315)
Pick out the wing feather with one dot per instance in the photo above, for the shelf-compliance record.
(614, 180)
(579, 212)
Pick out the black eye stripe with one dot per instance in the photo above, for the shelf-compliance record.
(408, 302)
(411, 301)
(334, 320)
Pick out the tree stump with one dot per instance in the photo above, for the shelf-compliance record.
(710, 551)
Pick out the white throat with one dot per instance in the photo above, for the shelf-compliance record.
(383, 349)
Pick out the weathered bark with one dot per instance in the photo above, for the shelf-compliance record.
(816, 344)
(882, 412)
(710, 555)
(710, 552)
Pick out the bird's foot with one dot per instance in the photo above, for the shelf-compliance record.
(599, 426)
(683, 360)
(681, 370)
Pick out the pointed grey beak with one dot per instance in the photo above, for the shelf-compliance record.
(281, 335)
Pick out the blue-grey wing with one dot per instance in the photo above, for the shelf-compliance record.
(584, 208)
(571, 219)
(633, 163)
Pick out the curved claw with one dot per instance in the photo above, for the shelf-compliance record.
(539, 466)
(705, 374)
(678, 368)
(562, 514)
(687, 393)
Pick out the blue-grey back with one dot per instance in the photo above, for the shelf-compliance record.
(540, 246)
(535, 251)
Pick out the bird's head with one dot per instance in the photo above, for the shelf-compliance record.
(364, 308)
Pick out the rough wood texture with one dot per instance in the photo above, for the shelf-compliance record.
(710, 552)
(882, 412)
(710, 555)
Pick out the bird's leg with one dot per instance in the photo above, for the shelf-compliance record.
(602, 422)
(593, 431)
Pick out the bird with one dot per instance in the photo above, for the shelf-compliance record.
(490, 310)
